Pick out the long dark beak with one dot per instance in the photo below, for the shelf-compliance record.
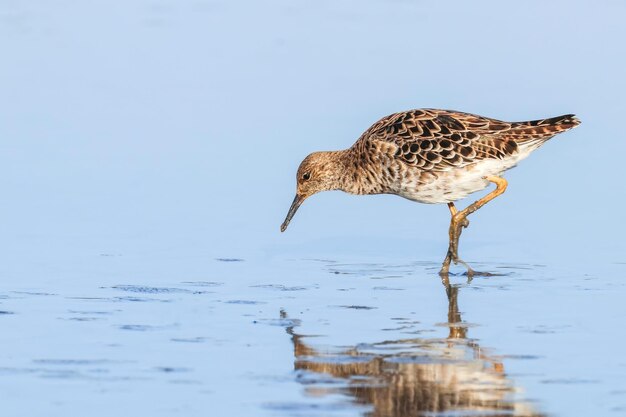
(292, 210)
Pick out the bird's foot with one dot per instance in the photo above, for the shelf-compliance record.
(470, 272)
(458, 223)
(453, 256)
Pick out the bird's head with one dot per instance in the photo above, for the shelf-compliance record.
(320, 171)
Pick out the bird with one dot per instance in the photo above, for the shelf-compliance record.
(430, 156)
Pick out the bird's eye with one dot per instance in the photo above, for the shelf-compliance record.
(306, 176)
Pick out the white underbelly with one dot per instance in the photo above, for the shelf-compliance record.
(457, 183)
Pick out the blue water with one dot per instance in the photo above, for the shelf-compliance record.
(147, 158)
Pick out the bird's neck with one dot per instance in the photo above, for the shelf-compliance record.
(356, 174)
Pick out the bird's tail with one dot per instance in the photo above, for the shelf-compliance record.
(536, 132)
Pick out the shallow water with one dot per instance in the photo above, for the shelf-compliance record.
(147, 159)
(314, 337)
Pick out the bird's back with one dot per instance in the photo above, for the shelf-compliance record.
(434, 156)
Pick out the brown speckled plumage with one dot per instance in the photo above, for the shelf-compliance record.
(437, 140)
(429, 156)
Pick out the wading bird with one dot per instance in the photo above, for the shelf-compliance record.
(429, 156)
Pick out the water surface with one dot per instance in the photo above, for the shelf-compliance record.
(315, 337)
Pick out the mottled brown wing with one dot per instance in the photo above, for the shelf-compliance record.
(438, 140)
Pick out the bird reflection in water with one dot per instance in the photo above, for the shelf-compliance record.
(414, 377)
